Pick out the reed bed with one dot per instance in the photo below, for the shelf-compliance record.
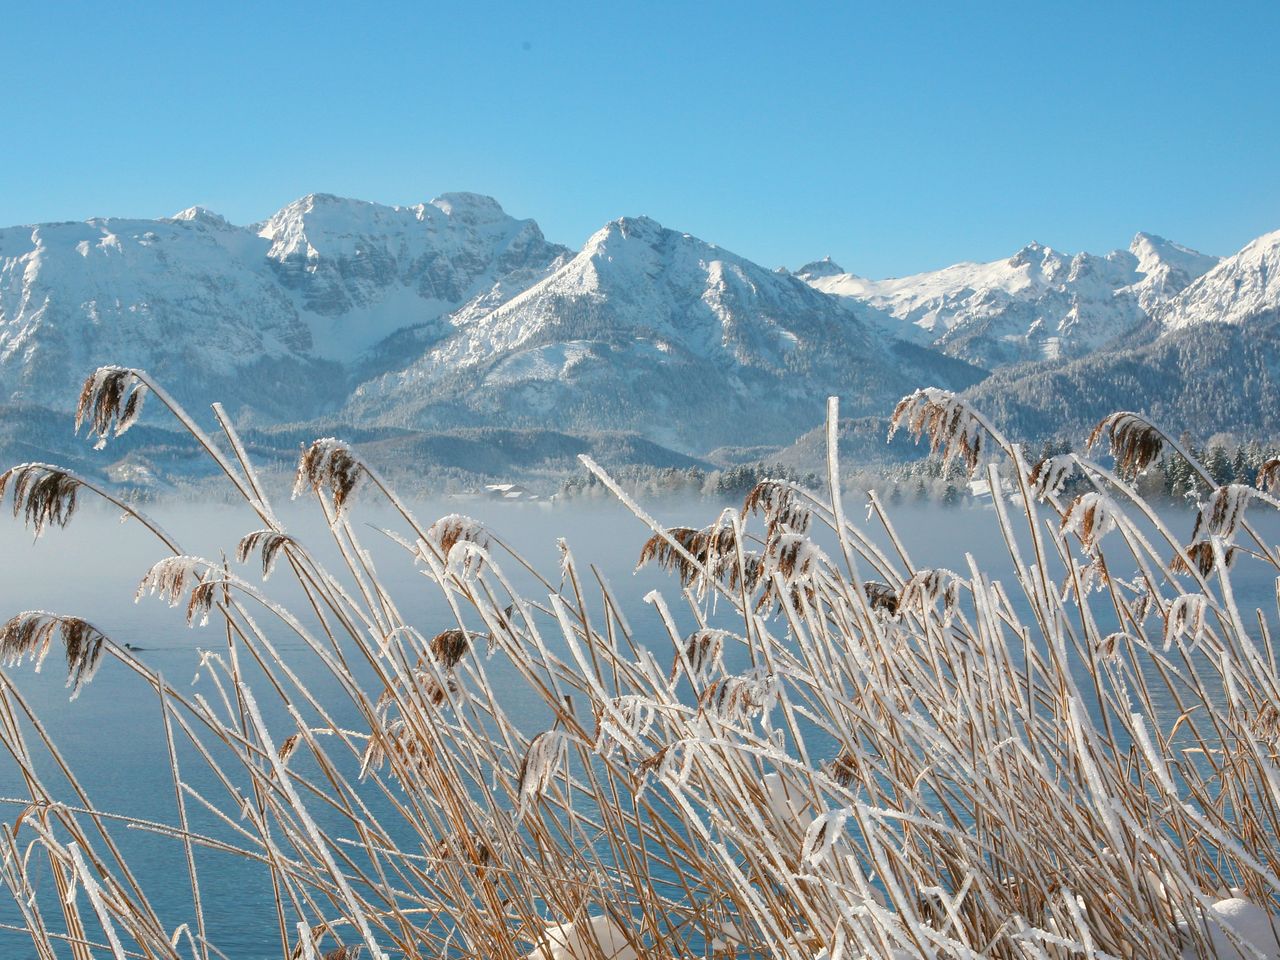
(842, 753)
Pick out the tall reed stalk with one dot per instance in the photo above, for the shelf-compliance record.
(910, 762)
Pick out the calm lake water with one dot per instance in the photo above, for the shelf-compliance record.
(111, 735)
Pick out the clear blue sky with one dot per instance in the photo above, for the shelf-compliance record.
(894, 138)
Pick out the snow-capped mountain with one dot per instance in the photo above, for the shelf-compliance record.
(1211, 367)
(650, 327)
(363, 271)
(268, 316)
(452, 314)
(1038, 304)
(1239, 289)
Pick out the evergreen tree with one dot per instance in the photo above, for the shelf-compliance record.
(1240, 471)
(1218, 465)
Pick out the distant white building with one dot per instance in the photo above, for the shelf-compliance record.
(509, 492)
(981, 490)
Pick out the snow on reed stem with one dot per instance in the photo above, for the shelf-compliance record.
(931, 764)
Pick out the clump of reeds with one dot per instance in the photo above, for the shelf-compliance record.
(848, 756)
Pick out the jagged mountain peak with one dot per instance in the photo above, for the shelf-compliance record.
(204, 215)
(641, 327)
(639, 229)
(1038, 255)
(1154, 251)
(472, 207)
(826, 267)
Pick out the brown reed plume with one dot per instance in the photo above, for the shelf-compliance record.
(110, 399)
(448, 647)
(781, 504)
(29, 635)
(1269, 475)
(950, 424)
(269, 542)
(42, 494)
(456, 528)
(329, 464)
(1202, 557)
(1134, 441)
(1091, 516)
(695, 554)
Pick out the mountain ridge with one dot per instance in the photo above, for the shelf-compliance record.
(452, 315)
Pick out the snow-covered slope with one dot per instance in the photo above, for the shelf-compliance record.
(652, 328)
(363, 270)
(452, 314)
(1166, 269)
(1237, 290)
(1211, 368)
(200, 302)
(1038, 304)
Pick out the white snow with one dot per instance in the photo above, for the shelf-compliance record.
(1237, 289)
(595, 937)
(1249, 923)
(1067, 303)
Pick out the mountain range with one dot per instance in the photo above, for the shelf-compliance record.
(453, 317)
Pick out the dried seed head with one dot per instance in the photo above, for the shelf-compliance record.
(329, 464)
(110, 399)
(1090, 516)
(1266, 723)
(398, 741)
(42, 494)
(29, 635)
(1269, 475)
(1135, 442)
(779, 501)
(170, 578)
(925, 588)
(1186, 619)
(1049, 476)
(287, 747)
(269, 542)
(952, 428)
(547, 753)
(737, 699)
(1222, 515)
(794, 556)
(344, 953)
(1202, 557)
(882, 598)
(703, 652)
(844, 768)
(713, 550)
(622, 722)
(448, 647)
(1109, 646)
(447, 531)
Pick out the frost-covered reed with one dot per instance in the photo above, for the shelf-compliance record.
(906, 761)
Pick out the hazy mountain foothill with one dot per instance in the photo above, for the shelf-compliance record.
(467, 346)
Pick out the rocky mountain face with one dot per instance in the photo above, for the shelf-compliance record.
(1236, 291)
(652, 329)
(1039, 304)
(1214, 364)
(453, 316)
(269, 317)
